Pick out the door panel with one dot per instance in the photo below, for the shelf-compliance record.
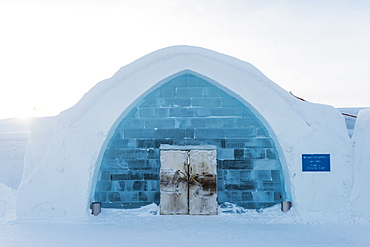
(174, 182)
(202, 182)
(188, 182)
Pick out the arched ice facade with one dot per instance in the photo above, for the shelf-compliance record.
(188, 110)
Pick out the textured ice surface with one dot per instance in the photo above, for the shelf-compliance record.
(188, 110)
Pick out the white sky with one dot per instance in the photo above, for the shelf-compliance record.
(54, 51)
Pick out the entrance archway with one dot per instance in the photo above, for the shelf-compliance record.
(191, 111)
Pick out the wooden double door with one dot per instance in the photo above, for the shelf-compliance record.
(188, 182)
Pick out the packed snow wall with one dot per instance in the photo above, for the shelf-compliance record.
(360, 198)
(65, 152)
(14, 136)
(13, 143)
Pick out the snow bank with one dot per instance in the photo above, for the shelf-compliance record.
(14, 136)
(361, 146)
(7, 203)
(64, 153)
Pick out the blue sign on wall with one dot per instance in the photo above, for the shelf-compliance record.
(316, 162)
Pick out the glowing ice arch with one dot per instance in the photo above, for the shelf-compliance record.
(188, 108)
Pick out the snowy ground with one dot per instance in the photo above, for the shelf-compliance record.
(143, 228)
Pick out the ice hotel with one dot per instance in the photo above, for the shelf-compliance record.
(193, 130)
